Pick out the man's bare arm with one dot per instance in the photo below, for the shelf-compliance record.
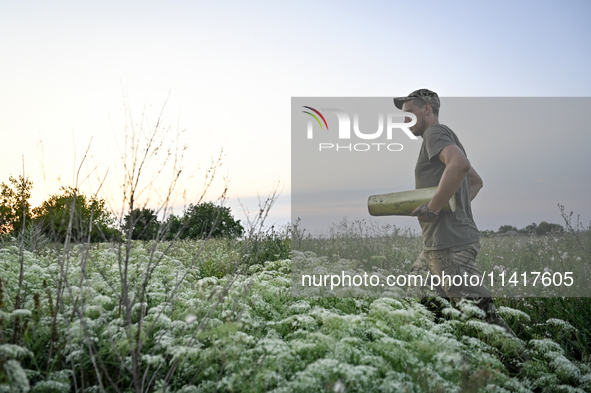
(457, 167)
(475, 183)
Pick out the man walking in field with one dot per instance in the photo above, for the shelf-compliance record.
(451, 239)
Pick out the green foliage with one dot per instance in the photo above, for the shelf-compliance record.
(542, 228)
(54, 216)
(370, 244)
(507, 228)
(255, 336)
(487, 233)
(206, 220)
(545, 228)
(531, 228)
(143, 222)
(14, 199)
(173, 227)
(565, 320)
(272, 245)
(260, 338)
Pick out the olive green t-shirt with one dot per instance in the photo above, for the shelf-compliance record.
(450, 229)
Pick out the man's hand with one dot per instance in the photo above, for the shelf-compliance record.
(424, 214)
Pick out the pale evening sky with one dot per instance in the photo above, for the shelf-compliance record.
(231, 68)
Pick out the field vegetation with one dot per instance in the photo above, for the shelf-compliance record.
(147, 301)
(216, 316)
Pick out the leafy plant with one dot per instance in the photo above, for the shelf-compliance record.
(272, 245)
(85, 217)
(14, 203)
(206, 220)
(143, 222)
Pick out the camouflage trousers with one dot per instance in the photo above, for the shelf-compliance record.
(455, 261)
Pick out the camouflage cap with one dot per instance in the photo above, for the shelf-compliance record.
(424, 95)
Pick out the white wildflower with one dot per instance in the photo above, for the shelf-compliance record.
(511, 313)
(153, 360)
(471, 309)
(139, 306)
(21, 313)
(11, 351)
(563, 367)
(485, 328)
(563, 325)
(16, 376)
(339, 386)
(184, 352)
(51, 386)
(299, 307)
(189, 389)
(4, 316)
(76, 355)
(190, 318)
(546, 346)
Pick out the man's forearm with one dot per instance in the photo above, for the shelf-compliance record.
(451, 180)
(475, 183)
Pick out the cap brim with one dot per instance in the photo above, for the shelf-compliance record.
(399, 101)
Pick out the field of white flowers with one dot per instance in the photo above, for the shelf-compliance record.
(206, 327)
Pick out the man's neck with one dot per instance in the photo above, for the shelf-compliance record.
(430, 123)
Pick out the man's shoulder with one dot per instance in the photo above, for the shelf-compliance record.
(438, 128)
(440, 132)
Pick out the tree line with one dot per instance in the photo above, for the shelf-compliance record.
(542, 228)
(88, 218)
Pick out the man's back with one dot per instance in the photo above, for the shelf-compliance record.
(452, 229)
